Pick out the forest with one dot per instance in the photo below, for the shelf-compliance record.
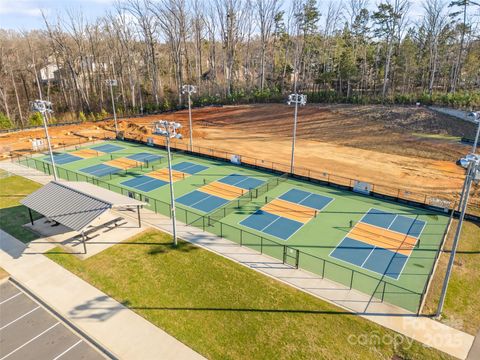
(241, 51)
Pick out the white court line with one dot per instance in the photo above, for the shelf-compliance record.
(11, 297)
(20, 317)
(371, 252)
(29, 341)
(70, 348)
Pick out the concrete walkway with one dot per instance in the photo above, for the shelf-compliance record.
(474, 353)
(422, 329)
(123, 333)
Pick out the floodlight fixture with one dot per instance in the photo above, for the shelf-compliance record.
(295, 99)
(44, 107)
(168, 129)
(189, 90)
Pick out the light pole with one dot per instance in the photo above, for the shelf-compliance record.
(190, 89)
(297, 99)
(112, 83)
(169, 130)
(476, 118)
(44, 107)
(473, 172)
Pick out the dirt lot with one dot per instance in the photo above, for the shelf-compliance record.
(405, 147)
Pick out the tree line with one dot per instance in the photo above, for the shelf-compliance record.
(238, 51)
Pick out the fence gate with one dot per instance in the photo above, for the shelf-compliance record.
(290, 256)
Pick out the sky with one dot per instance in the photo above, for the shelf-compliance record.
(26, 14)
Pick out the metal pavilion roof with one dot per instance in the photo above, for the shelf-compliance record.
(67, 204)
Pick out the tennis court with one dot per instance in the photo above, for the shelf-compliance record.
(285, 215)
(63, 158)
(189, 168)
(107, 148)
(220, 192)
(100, 170)
(87, 153)
(380, 242)
(382, 248)
(144, 183)
(123, 163)
(144, 157)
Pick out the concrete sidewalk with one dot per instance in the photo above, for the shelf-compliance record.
(123, 333)
(422, 329)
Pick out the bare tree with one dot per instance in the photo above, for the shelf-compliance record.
(266, 11)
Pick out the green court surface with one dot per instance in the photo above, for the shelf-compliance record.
(306, 233)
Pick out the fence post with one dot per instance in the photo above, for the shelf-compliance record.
(241, 237)
(351, 280)
(221, 229)
(323, 268)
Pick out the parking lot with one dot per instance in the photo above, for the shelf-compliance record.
(29, 331)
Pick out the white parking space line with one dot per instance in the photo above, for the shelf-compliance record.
(29, 341)
(70, 348)
(10, 298)
(20, 317)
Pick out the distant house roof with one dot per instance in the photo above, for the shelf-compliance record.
(75, 204)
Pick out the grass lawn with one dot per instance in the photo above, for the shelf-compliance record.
(463, 297)
(12, 214)
(226, 311)
(438, 136)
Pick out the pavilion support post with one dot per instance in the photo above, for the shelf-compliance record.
(31, 216)
(139, 220)
(84, 243)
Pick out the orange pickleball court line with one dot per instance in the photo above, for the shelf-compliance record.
(162, 174)
(87, 153)
(222, 190)
(123, 163)
(384, 238)
(289, 210)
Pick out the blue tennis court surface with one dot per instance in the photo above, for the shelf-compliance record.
(144, 183)
(271, 224)
(100, 170)
(202, 201)
(376, 259)
(280, 226)
(306, 198)
(62, 158)
(144, 157)
(189, 168)
(107, 148)
(242, 181)
(398, 223)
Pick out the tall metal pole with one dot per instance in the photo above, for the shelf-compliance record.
(475, 143)
(43, 107)
(172, 196)
(113, 106)
(189, 90)
(49, 146)
(190, 121)
(464, 201)
(294, 139)
(295, 113)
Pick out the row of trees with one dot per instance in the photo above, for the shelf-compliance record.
(243, 50)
